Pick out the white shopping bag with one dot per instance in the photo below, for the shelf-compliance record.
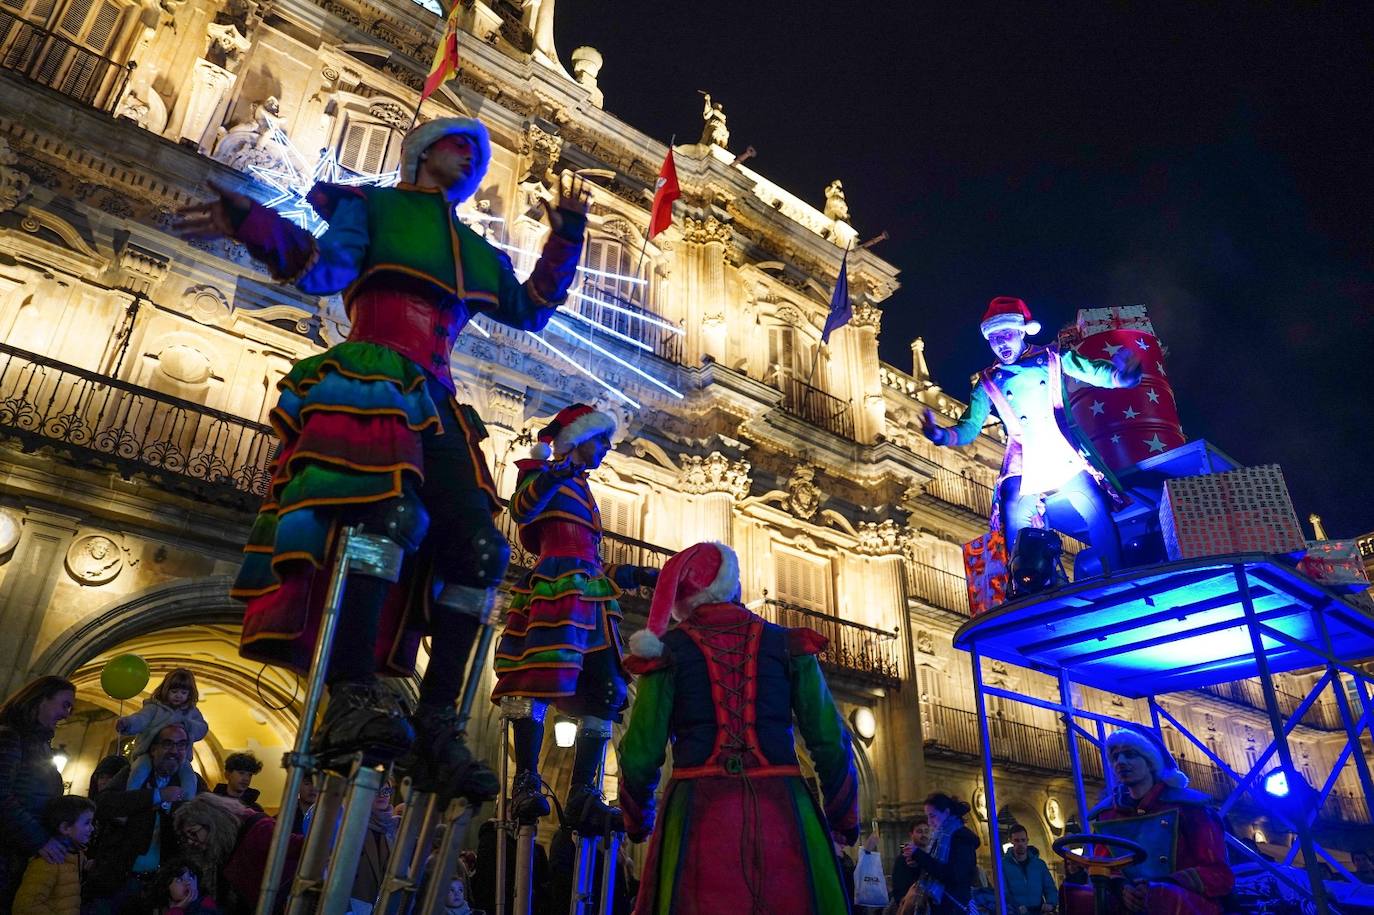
(870, 886)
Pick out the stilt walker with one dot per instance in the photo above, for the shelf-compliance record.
(372, 435)
(740, 830)
(561, 643)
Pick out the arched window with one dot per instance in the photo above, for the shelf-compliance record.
(609, 284)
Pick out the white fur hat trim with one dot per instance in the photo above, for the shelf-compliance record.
(644, 644)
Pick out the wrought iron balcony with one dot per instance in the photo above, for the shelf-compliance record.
(110, 423)
(52, 60)
(1250, 694)
(860, 652)
(937, 587)
(823, 410)
(960, 491)
(955, 732)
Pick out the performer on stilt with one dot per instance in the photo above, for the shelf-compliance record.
(561, 643)
(1051, 474)
(372, 434)
(740, 830)
(1185, 870)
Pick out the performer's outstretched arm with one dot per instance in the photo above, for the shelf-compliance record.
(825, 735)
(534, 491)
(644, 747)
(1122, 371)
(969, 425)
(529, 305)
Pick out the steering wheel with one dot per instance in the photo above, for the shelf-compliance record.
(1134, 852)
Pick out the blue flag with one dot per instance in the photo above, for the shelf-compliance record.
(840, 309)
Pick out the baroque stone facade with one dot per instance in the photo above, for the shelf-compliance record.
(133, 458)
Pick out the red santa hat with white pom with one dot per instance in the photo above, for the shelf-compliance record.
(705, 573)
(1008, 313)
(1150, 747)
(571, 427)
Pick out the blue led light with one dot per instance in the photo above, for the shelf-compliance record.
(1276, 783)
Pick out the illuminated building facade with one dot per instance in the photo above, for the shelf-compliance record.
(136, 372)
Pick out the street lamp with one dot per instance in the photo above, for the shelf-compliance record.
(59, 758)
(565, 732)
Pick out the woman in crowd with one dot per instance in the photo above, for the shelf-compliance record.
(228, 843)
(949, 869)
(28, 778)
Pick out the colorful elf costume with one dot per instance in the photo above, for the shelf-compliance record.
(1050, 471)
(1185, 863)
(371, 433)
(561, 642)
(740, 830)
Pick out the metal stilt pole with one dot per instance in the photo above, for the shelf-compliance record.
(503, 823)
(314, 861)
(456, 819)
(363, 786)
(524, 868)
(584, 870)
(408, 853)
(608, 874)
(299, 761)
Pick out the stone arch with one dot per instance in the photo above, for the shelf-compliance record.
(1020, 813)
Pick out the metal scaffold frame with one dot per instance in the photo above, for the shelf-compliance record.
(1186, 625)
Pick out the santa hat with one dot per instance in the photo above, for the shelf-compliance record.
(705, 573)
(570, 428)
(1148, 745)
(431, 132)
(1007, 312)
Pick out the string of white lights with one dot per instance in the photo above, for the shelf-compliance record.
(624, 278)
(577, 315)
(559, 325)
(641, 315)
(560, 354)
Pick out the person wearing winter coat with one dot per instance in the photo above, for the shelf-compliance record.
(55, 889)
(173, 702)
(949, 868)
(228, 843)
(28, 779)
(1030, 887)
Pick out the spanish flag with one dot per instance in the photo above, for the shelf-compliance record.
(445, 64)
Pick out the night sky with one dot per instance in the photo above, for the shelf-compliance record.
(1213, 162)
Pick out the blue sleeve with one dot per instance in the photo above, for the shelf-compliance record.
(339, 251)
(971, 423)
(1097, 372)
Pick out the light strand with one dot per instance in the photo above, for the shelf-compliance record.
(560, 354)
(555, 323)
(640, 314)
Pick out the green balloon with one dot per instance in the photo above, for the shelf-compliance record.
(124, 676)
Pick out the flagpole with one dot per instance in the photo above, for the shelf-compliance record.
(444, 24)
(816, 357)
(644, 248)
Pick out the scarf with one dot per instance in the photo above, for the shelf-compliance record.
(938, 848)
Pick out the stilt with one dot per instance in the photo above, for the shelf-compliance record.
(503, 823)
(327, 885)
(524, 868)
(409, 852)
(456, 819)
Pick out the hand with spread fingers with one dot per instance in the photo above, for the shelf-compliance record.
(217, 218)
(574, 196)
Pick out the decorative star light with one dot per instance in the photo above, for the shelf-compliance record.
(1160, 366)
(293, 182)
(1142, 344)
(1130, 413)
(1154, 443)
(1097, 407)
(1111, 349)
(1152, 395)
(1116, 439)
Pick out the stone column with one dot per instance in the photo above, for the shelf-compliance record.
(703, 287)
(30, 577)
(870, 413)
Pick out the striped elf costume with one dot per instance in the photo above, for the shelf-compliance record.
(561, 642)
(740, 831)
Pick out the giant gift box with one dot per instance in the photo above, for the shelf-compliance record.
(1242, 511)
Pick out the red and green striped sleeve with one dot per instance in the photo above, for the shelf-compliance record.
(643, 750)
(532, 495)
(828, 742)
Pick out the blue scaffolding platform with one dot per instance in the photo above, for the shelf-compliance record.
(1178, 626)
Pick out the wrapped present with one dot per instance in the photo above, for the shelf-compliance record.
(1241, 511)
(1117, 317)
(985, 570)
(1334, 563)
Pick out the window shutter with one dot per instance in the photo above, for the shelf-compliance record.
(617, 514)
(364, 147)
(803, 582)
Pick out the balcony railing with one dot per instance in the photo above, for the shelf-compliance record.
(627, 319)
(112, 423)
(855, 650)
(616, 549)
(961, 491)
(1014, 743)
(937, 587)
(1340, 806)
(1249, 693)
(823, 410)
(60, 63)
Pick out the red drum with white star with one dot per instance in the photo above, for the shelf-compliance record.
(1125, 425)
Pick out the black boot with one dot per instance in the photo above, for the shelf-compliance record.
(362, 716)
(440, 762)
(586, 809)
(527, 797)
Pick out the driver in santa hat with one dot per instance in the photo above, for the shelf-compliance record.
(1051, 474)
(740, 830)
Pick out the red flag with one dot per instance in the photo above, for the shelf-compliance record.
(445, 63)
(665, 192)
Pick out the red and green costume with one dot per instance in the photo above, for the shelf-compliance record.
(561, 640)
(374, 418)
(739, 831)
